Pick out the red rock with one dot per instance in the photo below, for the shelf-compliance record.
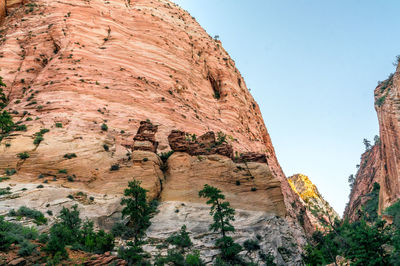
(369, 172)
(382, 163)
(145, 137)
(91, 62)
(17, 262)
(204, 145)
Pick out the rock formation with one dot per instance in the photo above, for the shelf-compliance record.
(381, 163)
(369, 172)
(102, 86)
(318, 209)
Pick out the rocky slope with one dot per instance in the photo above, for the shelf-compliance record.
(87, 77)
(381, 163)
(369, 172)
(318, 209)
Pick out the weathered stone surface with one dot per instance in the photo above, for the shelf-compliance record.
(387, 103)
(56, 50)
(252, 157)
(248, 186)
(88, 63)
(206, 144)
(145, 139)
(17, 262)
(382, 163)
(277, 236)
(369, 172)
(317, 207)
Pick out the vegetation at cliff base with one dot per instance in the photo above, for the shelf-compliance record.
(367, 241)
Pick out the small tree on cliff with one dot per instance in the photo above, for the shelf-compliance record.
(3, 98)
(222, 214)
(6, 123)
(367, 144)
(138, 209)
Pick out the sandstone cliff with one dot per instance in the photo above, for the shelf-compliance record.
(381, 163)
(387, 100)
(318, 209)
(369, 172)
(87, 77)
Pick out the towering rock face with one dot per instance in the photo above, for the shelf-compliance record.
(369, 172)
(100, 86)
(381, 163)
(387, 103)
(318, 209)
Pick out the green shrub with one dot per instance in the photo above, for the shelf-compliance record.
(4, 178)
(380, 101)
(59, 125)
(193, 259)
(106, 148)
(11, 171)
(165, 155)
(180, 240)
(104, 127)
(63, 171)
(11, 233)
(20, 128)
(6, 123)
(123, 231)
(70, 155)
(24, 211)
(5, 191)
(40, 186)
(43, 238)
(114, 167)
(39, 136)
(26, 248)
(23, 155)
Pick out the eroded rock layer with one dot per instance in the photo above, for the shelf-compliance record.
(387, 104)
(90, 71)
(369, 172)
(381, 163)
(318, 209)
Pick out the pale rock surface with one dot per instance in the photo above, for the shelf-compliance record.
(186, 176)
(278, 237)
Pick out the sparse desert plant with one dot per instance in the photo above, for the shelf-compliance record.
(23, 155)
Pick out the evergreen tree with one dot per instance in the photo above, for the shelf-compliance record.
(6, 122)
(222, 214)
(3, 98)
(367, 144)
(138, 209)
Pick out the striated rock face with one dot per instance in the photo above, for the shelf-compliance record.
(387, 103)
(317, 207)
(369, 172)
(87, 63)
(382, 163)
(248, 186)
(114, 82)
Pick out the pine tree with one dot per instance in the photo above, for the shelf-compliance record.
(138, 209)
(6, 122)
(223, 215)
(3, 98)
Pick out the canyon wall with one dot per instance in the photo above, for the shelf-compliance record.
(381, 163)
(98, 87)
(369, 172)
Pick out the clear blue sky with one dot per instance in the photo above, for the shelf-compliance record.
(312, 66)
